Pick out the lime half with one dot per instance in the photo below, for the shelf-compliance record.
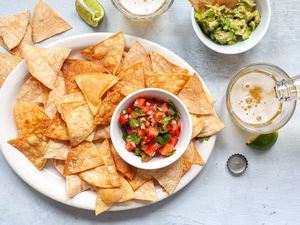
(90, 11)
(263, 141)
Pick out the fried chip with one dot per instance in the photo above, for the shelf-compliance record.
(79, 120)
(169, 176)
(7, 64)
(30, 118)
(122, 166)
(102, 132)
(73, 97)
(107, 108)
(33, 147)
(107, 53)
(169, 82)
(46, 23)
(162, 65)
(13, 28)
(211, 125)
(55, 95)
(141, 177)
(147, 66)
(73, 67)
(106, 154)
(146, 192)
(74, 185)
(197, 159)
(136, 53)
(58, 129)
(93, 87)
(195, 98)
(83, 157)
(45, 63)
(198, 125)
(57, 150)
(59, 165)
(131, 79)
(187, 158)
(27, 40)
(102, 176)
(34, 92)
(107, 197)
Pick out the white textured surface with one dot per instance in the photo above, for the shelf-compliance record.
(268, 193)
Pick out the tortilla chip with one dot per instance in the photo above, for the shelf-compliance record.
(34, 92)
(107, 53)
(7, 64)
(13, 28)
(141, 177)
(199, 5)
(46, 23)
(211, 125)
(107, 108)
(169, 82)
(30, 118)
(162, 65)
(45, 63)
(75, 185)
(197, 159)
(131, 79)
(198, 125)
(55, 95)
(59, 165)
(147, 66)
(102, 132)
(146, 192)
(136, 53)
(79, 120)
(122, 166)
(195, 98)
(27, 40)
(187, 158)
(107, 197)
(73, 67)
(83, 157)
(93, 87)
(33, 147)
(58, 129)
(169, 177)
(102, 176)
(106, 154)
(73, 97)
(57, 150)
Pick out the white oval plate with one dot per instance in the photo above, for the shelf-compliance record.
(48, 181)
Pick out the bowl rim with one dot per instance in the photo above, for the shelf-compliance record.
(215, 47)
(164, 162)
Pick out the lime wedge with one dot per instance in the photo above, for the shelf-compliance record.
(90, 11)
(263, 141)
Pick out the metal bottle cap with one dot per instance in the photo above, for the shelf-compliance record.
(237, 164)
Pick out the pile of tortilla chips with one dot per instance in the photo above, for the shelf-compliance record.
(63, 113)
(16, 31)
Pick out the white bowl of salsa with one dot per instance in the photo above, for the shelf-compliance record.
(151, 128)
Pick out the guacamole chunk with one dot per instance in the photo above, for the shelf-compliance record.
(228, 26)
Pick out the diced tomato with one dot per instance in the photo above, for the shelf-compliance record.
(151, 148)
(123, 119)
(164, 107)
(129, 109)
(153, 132)
(174, 130)
(145, 140)
(145, 109)
(129, 131)
(139, 102)
(167, 149)
(147, 124)
(174, 140)
(159, 115)
(130, 146)
(141, 132)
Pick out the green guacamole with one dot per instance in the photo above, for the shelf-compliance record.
(228, 26)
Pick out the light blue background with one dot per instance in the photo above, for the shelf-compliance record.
(268, 193)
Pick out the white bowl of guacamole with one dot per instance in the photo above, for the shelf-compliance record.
(230, 31)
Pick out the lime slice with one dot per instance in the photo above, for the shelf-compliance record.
(90, 11)
(263, 141)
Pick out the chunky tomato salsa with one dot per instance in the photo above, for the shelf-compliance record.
(150, 128)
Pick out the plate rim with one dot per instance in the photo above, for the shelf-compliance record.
(99, 36)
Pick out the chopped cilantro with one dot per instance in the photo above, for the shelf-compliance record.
(202, 139)
(134, 137)
(136, 123)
